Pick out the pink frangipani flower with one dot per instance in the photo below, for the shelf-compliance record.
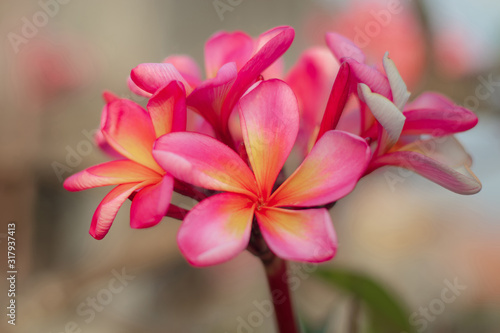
(218, 228)
(131, 131)
(233, 61)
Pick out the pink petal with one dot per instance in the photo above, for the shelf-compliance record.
(390, 118)
(135, 89)
(167, 109)
(110, 173)
(187, 67)
(109, 97)
(337, 100)
(151, 204)
(225, 47)
(311, 80)
(269, 119)
(439, 122)
(203, 161)
(271, 46)
(103, 144)
(151, 77)
(109, 206)
(441, 160)
(208, 97)
(377, 82)
(216, 230)
(329, 172)
(298, 235)
(343, 47)
(129, 130)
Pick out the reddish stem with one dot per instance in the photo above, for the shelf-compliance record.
(176, 212)
(276, 271)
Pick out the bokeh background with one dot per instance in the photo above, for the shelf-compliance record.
(411, 237)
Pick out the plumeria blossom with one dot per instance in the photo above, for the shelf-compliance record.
(387, 120)
(131, 131)
(233, 61)
(218, 228)
(400, 128)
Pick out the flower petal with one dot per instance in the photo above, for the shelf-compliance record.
(167, 109)
(187, 67)
(387, 114)
(269, 119)
(109, 173)
(129, 130)
(109, 206)
(225, 47)
(151, 204)
(151, 76)
(208, 97)
(400, 93)
(271, 45)
(430, 100)
(377, 82)
(337, 100)
(439, 122)
(329, 172)
(441, 160)
(135, 89)
(311, 80)
(216, 230)
(343, 47)
(203, 161)
(298, 235)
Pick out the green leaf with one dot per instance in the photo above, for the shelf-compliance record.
(385, 312)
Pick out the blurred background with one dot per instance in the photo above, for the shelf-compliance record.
(414, 239)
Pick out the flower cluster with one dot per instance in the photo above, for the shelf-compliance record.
(224, 141)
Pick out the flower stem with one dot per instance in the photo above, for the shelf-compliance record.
(276, 271)
(277, 278)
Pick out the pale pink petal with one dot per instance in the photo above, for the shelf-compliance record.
(216, 230)
(441, 160)
(329, 172)
(343, 47)
(135, 89)
(298, 235)
(167, 109)
(311, 79)
(129, 130)
(274, 43)
(377, 82)
(269, 123)
(225, 47)
(109, 206)
(400, 94)
(151, 76)
(187, 67)
(151, 204)
(390, 118)
(203, 161)
(110, 173)
(208, 97)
